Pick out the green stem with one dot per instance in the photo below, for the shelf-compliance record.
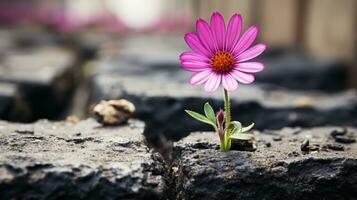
(222, 147)
(227, 107)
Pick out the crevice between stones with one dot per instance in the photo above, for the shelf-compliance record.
(165, 116)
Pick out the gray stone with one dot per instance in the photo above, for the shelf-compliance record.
(285, 68)
(60, 160)
(280, 171)
(44, 79)
(15, 37)
(162, 93)
(296, 70)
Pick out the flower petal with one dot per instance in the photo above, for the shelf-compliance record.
(195, 66)
(246, 40)
(218, 29)
(250, 67)
(242, 77)
(213, 82)
(233, 31)
(200, 77)
(229, 83)
(195, 44)
(251, 52)
(205, 34)
(192, 56)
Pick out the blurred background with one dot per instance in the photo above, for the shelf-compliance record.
(59, 57)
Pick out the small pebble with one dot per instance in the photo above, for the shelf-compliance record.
(335, 133)
(314, 147)
(230, 177)
(268, 144)
(277, 138)
(293, 153)
(344, 139)
(72, 119)
(335, 147)
(305, 145)
(113, 112)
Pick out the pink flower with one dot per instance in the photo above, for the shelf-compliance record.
(220, 55)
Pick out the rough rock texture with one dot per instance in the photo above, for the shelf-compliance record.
(277, 170)
(43, 77)
(60, 160)
(161, 94)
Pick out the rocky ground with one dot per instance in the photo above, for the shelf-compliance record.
(161, 94)
(84, 160)
(304, 150)
(60, 160)
(282, 167)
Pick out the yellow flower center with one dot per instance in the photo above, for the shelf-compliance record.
(222, 62)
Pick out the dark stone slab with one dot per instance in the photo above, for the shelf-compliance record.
(60, 160)
(298, 71)
(285, 68)
(27, 36)
(7, 100)
(44, 78)
(161, 94)
(276, 171)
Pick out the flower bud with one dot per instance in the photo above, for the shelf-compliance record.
(220, 121)
(220, 117)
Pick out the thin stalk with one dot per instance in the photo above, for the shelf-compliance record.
(227, 107)
(222, 146)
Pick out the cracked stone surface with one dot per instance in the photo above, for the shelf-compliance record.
(161, 94)
(60, 160)
(43, 78)
(278, 169)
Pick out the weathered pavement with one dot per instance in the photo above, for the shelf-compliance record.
(278, 169)
(59, 160)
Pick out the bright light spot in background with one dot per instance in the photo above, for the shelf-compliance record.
(136, 13)
(83, 8)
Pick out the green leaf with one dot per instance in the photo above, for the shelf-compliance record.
(242, 136)
(236, 126)
(210, 113)
(200, 117)
(245, 129)
(236, 131)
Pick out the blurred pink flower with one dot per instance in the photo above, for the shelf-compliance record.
(219, 55)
